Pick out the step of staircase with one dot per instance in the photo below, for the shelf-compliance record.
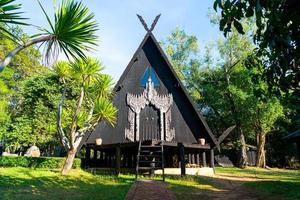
(156, 154)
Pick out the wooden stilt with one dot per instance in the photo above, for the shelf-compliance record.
(198, 159)
(204, 159)
(212, 158)
(118, 159)
(193, 158)
(298, 147)
(190, 158)
(181, 158)
(87, 156)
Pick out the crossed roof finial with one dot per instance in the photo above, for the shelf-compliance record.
(146, 26)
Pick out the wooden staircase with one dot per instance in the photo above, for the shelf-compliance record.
(150, 157)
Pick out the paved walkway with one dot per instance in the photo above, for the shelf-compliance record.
(149, 190)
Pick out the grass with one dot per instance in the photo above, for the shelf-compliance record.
(274, 181)
(25, 183)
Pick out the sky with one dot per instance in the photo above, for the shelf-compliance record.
(120, 31)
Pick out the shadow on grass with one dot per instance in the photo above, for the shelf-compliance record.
(191, 187)
(21, 183)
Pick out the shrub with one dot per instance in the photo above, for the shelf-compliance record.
(35, 162)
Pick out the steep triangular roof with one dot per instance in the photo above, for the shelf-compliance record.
(188, 100)
(169, 65)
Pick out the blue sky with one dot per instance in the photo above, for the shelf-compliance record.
(120, 30)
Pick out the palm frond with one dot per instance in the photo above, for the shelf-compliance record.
(74, 30)
(9, 15)
(86, 70)
(105, 110)
(62, 69)
(103, 86)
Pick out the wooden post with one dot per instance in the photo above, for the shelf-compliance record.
(298, 148)
(95, 155)
(198, 159)
(87, 156)
(190, 158)
(101, 158)
(193, 158)
(212, 159)
(118, 159)
(109, 160)
(181, 158)
(204, 159)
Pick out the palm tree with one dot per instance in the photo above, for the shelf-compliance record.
(72, 32)
(9, 14)
(92, 103)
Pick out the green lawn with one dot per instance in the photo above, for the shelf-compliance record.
(274, 181)
(24, 183)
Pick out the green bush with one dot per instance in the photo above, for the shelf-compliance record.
(35, 162)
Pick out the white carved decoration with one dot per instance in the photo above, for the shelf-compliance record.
(138, 102)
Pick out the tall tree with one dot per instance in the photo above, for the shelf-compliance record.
(92, 103)
(23, 66)
(72, 32)
(236, 93)
(182, 50)
(277, 35)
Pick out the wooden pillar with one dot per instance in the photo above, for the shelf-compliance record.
(298, 148)
(101, 158)
(193, 158)
(181, 158)
(198, 159)
(95, 155)
(87, 156)
(118, 159)
(212, 158)
(190, 158)
(109, 160)
(204, 159)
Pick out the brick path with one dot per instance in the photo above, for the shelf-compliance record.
(149, 190)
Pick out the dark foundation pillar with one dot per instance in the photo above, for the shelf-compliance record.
(190, 158)
(118, 159)
(204, 159)
(298, 148)
(193, 158)
(87, 156)
(212, 158)
(101, 159)
(181, 158)
(198, 159)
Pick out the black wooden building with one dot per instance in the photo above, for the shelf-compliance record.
(155, 114)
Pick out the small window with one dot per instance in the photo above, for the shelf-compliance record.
(149, 73)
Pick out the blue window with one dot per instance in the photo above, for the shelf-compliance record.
(149, 73)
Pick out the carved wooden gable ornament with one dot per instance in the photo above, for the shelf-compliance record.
(149, 97)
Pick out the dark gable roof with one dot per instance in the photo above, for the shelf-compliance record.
(189, 99)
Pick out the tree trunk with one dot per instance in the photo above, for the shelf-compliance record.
(69, 162)
(260, 153)
(242, 160)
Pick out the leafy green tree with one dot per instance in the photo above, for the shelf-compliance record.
(182, 50)
(236, 93)
(276, 34)
(92, 103)
(72, 32)
(230, 92)
(23, 65)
